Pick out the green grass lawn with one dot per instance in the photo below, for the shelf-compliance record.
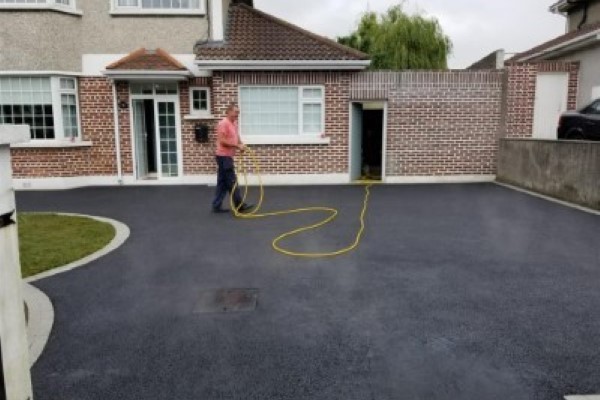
(48, 241)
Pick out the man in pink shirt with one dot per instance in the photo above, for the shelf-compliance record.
(228, 142)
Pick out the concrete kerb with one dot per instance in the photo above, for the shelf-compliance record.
(40, 321)
(552, 199)
(39, 306)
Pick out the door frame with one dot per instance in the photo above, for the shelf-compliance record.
(384, 134)
(156, 98)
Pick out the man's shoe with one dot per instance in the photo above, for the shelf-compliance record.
(219, 210)
(245, 207)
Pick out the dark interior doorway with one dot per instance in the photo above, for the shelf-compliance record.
(150, 135)
(372, 144)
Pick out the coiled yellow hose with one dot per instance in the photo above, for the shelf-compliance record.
(255, 213)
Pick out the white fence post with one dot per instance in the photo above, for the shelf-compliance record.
(15, 378)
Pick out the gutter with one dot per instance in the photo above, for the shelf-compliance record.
(147, 75)
(233, 65)
(570, 45)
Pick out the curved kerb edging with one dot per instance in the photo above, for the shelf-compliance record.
(39, 306)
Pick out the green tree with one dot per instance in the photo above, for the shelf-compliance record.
(396, 40)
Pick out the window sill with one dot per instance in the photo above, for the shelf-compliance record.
(40, 7)
(194, 117)
(285, 139)
(51, 144)
(142, 12)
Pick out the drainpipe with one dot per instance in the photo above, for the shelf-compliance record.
(117, 133)
(586, 7)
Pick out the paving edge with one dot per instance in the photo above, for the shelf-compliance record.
(39, 306)
(41, 319)
(552, 199)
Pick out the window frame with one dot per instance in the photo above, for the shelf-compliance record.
(57, 115)
(306, 101)
(208, 110)
(300, 136)
(116, 9)
(45, 5)
(73, 92)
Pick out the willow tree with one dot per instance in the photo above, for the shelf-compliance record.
(396, 40)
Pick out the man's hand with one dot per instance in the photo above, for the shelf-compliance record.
(242, 147)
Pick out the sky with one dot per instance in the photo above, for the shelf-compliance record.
(476, 27)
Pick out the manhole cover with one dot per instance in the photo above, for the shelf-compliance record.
(227, 300)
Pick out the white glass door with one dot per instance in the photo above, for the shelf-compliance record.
(167, 138)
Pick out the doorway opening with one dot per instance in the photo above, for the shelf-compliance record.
(156, 130)
(367, 141)
(148, 139)
(372, 144)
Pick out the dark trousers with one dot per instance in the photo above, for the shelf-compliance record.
(225, 181)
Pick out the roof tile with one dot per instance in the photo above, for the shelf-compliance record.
(556, 41)
(142, 59)
(255, 35)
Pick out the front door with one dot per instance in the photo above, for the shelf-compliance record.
(156, 131)
(550, 101)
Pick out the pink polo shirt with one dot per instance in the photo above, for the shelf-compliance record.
(227, 133)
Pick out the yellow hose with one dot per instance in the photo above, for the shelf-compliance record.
(332, 211)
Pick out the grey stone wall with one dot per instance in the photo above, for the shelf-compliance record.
(567, 170)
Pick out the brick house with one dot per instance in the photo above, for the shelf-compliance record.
(119, 99)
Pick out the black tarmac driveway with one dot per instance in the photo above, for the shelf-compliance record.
(456, 292)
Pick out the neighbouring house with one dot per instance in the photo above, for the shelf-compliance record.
(130, 91)
(580, 45)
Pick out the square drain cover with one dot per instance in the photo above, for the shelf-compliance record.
(227, 300)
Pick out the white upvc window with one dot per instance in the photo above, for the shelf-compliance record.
(282, 110)
(157, 6)
(49, 105)
(199, 101)
(59, 5)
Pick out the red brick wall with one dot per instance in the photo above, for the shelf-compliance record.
(439, 123)
(198, 158)
(276, 159)
(96, 110)
(520, 96)
(444, 123)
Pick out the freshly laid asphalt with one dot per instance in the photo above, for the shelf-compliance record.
(456, 292)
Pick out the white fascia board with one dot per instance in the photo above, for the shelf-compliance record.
(146, 75)
(39, 73)
(233, 65)
(567, 46)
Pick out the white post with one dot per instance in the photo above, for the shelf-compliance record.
(13, 336)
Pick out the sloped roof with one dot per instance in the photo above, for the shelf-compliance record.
(150, 60)
(254, 35)
(557, 42)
